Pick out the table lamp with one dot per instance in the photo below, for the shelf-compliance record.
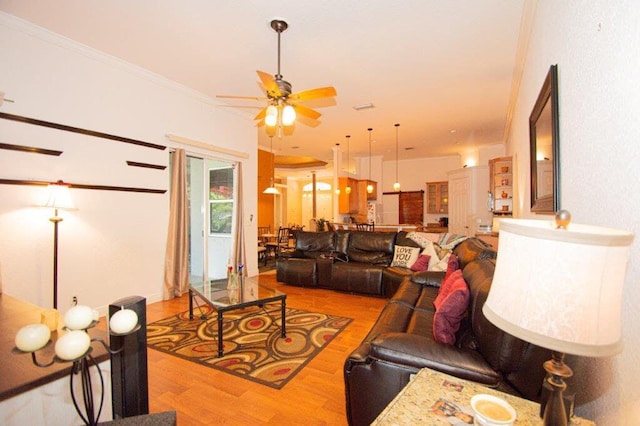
(559, 286)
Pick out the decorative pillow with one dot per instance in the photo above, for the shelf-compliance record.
(423, 238)
(422, 264)
(443, 263)
(439, 257)
(450, 241)
(451, 304)
(452, 265)
(405, 256)
(431, 252)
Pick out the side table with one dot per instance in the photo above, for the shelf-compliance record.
(444, 400)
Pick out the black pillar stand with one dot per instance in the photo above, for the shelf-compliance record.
(129, 377)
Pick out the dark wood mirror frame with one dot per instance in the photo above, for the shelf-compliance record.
(544, 143)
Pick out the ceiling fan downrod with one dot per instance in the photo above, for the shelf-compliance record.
(280, 26)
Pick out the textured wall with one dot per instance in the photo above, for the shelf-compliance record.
(596, 45)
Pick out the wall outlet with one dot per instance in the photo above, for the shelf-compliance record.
(74, 300)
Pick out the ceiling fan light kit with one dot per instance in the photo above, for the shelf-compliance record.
(282, 109)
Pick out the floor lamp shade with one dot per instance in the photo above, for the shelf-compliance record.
(560, 289)
(59, 196)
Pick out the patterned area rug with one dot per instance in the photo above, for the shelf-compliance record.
(253, 346)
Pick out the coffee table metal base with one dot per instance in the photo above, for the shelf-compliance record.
(220, 310)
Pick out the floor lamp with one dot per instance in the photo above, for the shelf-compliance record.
(59, 197)
(559, 286)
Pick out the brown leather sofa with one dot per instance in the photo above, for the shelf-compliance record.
(352, 261)
(401, 343)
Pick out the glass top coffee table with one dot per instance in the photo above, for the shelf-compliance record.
(250, 293)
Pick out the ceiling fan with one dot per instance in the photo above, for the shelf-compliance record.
(283, 107)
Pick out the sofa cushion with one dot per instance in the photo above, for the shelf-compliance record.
(314, 242)
(371, 247)
(422, 264)
(451, 304)
(404, 256)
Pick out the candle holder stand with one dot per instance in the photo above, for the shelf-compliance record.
(81, 366)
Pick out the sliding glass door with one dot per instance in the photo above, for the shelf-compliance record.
(211, 203)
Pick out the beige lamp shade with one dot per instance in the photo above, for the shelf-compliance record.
(560, 289)
(59, 196)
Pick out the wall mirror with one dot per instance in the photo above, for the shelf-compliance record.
(544, 147)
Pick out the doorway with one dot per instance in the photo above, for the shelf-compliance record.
(211, 193)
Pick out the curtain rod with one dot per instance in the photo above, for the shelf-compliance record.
(198, 144)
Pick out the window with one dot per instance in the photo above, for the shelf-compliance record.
(221, 200)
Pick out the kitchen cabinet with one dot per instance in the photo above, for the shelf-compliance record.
(438, 197)
(374, 194)
(348, 203)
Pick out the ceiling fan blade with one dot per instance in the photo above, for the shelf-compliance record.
(252, 98)
(269, 84)
(306, 111)
(320, 92)
(261, 114)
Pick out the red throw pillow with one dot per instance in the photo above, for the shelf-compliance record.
(451, 304)
(452, 265)
(422, 264)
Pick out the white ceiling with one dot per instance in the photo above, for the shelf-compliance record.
(443, 69)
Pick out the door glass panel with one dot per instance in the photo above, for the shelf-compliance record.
(221, 203)
(195, 189)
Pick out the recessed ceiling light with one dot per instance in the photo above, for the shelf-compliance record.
(364, 106)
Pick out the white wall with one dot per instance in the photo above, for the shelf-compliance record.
(413, 175)
(113, 245)
(597, 48)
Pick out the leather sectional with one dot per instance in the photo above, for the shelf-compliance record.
(401, 342)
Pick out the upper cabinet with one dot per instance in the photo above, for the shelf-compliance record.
(438, 197)
(373, 194)
(348, 202)
(501, 185)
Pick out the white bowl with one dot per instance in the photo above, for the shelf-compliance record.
(490, 410)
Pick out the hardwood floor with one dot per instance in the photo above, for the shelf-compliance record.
(315, 396)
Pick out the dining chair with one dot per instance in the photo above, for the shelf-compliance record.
(365, 227)
(281, 243)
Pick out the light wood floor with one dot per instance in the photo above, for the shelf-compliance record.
(315, 396)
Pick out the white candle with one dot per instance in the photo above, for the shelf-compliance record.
(32, 337)
(123, 321)
(72, 345)
(78, 318)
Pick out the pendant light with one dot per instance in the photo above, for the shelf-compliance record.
(348, 188)
(271, 189)
(396, 185)
(369, 186)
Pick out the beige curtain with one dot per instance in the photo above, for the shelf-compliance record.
(176, 266)
(239, 249)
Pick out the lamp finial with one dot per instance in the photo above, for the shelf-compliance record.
(563, 219)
